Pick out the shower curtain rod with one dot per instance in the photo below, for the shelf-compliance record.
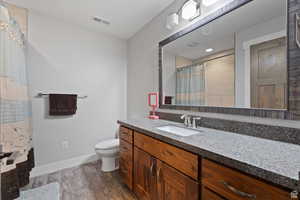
(43, 94)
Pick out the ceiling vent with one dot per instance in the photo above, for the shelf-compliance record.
(193, 44)
(102, 21)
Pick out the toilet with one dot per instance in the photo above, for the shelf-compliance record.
(108, 152)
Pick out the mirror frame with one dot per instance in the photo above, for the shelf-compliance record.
(293, 67)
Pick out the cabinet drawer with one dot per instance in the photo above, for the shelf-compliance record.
(207, 194)
(126, 163)
(173, 185)
(181, 160)
(234, 185)
(126, 134)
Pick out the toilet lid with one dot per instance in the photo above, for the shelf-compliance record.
(108, 144)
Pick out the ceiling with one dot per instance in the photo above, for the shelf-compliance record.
(219, 34)
(126, 17)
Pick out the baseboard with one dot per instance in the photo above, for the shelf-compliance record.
(64, 164)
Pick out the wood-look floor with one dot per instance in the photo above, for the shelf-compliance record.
(85, 182)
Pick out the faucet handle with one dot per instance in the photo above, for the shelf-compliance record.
(183, 116)
(186, 118)
(195, 119)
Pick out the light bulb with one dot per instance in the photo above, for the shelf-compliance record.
(209, 2)
(190, 10)
(172, 21)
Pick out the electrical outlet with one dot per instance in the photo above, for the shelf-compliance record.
(65, 144)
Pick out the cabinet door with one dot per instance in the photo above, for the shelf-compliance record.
(126, 162)
(173, 185)
(207, 194)
(235, 185)
(144, 175)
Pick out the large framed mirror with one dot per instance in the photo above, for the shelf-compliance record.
(233, 61)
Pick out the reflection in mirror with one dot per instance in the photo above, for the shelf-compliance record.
(238, 60)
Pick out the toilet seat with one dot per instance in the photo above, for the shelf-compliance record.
(107, 144)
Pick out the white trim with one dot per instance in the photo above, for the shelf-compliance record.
(247, 45)
(64, 164)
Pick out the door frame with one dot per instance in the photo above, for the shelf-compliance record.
(247, 52)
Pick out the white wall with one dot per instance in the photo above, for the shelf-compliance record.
(143, 58)
(265, 28)
(66, 59)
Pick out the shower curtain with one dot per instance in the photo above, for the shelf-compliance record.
(15, 107)
(190, 85)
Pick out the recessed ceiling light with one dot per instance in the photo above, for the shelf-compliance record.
(209, 50)
(190, 10)
(209, 2)
(102, 21)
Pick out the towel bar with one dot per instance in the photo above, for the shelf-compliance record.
(43, 94)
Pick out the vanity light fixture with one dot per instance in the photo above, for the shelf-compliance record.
(209, 50)
(190, 10)
(209, 2)
(172, 21)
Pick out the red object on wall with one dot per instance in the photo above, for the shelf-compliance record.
(153, 103)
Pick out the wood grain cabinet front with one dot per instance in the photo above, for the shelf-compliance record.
(155, 180)
(173, 185)
(126, 163)
(126, 134)
(155, 170)
(234, 185)
(145, 180)
(181, 160)
(207, 194)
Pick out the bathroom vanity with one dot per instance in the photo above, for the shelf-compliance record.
(210, 165)
(237, 67)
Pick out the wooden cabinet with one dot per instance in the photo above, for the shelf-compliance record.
(173, 185)
(144, 175)
(126, 163)
(207, 194)
(126, 134)
(155, 170)
(126, 156)
(182, 160)
(234, 185)
(155, 180)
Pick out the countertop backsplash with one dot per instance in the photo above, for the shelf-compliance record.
(278, 130)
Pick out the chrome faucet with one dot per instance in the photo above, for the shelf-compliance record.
(187, 120)
(195, 119)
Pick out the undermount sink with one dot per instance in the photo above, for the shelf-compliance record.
(184, 132)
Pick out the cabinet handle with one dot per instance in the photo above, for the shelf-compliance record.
(159, 174)
(238, 192)
(151, 167)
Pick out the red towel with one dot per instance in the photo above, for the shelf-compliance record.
(62, 104)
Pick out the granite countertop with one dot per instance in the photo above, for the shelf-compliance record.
(273, 161)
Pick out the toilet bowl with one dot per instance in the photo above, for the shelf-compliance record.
(108, 152)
